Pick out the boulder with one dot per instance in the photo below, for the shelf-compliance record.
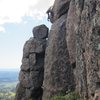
(26, 48)
(40, 32)
(25, 64)
(25, 80)
(37, 46)
(32, 59)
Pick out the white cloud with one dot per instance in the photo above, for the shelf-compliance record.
(12, 11)
(2, 29)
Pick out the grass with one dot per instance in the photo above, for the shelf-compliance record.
(70, 96)
(58, 98)
(8, 85)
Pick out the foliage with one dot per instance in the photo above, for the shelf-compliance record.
(7, 91)
(58, 98)
(70, 96)
(7, 96)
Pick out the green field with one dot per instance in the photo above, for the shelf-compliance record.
(7, 91)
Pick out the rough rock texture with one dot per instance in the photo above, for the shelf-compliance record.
(58, 76)
(88, 51)
(97, 95)
(83, 42)
(70, 32)
(40, 32)
(32, 68)
(72, 59)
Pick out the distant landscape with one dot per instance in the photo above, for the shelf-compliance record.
(8, 82)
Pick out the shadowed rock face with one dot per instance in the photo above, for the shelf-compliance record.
(58, 76)
(32, 68)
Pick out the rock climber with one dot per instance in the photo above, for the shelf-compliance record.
(50, 14)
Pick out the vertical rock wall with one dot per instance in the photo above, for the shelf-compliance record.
(82, 29)
(88, 53)
(58, 74)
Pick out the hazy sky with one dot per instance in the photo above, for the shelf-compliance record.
(17, 18)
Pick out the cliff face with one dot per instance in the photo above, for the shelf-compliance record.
(83, 28)
(71, 59)
(88, 51)
(58, 75)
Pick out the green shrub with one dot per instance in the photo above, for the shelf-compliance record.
(70, 96)
(58, 98)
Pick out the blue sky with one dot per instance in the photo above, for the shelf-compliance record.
(17, 18)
